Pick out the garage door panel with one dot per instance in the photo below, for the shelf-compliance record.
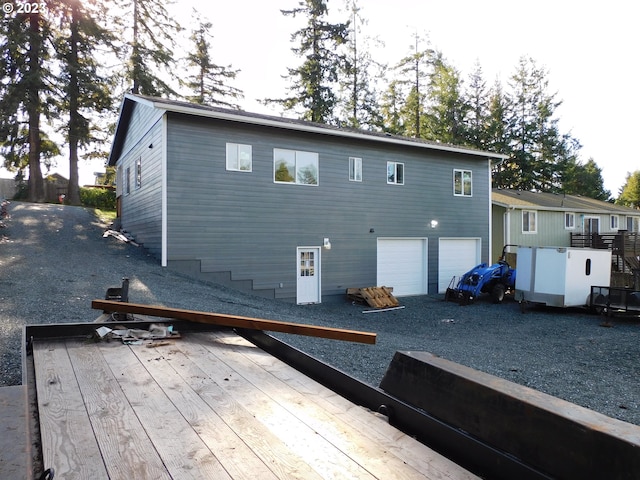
(455, 257)
(402, 264)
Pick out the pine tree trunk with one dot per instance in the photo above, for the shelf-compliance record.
(73, 191)
(36, 183)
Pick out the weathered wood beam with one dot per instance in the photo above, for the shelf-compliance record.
(235, 321)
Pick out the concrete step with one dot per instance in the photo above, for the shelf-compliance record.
(15, 446)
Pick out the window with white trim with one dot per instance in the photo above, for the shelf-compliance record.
(395, 173)
(355, 169)
(569, 221)
(462, 183)
(239, 157)
(127, 181)
(138, 173)
(529, 220)
(292, 166)
(615, 222)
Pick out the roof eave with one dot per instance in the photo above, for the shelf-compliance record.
(310, 128)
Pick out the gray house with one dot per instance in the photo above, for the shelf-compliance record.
(296, 210)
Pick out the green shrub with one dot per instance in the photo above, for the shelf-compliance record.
(102, 198)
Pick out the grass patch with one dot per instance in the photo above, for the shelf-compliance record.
(105, 216)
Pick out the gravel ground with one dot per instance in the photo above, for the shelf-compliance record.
(54, 261)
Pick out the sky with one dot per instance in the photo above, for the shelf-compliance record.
(589, 50)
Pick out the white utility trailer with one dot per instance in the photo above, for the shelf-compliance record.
(560, 276)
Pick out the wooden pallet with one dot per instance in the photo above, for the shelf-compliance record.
(376, 297)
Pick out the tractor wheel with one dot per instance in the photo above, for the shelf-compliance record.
(498, 292)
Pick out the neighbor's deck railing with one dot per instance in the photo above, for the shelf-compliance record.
(623, 244)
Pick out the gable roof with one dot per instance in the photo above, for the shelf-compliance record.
(240, 116)
(523, 200)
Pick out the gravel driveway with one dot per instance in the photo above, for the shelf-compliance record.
(54, 261)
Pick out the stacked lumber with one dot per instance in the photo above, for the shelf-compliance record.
(376, 297)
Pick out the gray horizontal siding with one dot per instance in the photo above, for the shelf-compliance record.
(142, 207)
(246, 224)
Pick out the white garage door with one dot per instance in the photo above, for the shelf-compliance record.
(402, 264)
(455, 257)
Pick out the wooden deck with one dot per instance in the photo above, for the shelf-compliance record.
(211, 406)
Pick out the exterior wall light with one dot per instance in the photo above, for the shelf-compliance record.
(434, 223)
(326, 244)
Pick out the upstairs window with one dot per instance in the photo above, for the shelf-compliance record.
(569, 221)
(291, 166)
(529, 221)
(127, 181)
(239, 157)
(395, 173)
(355, 169)
(139, 173)
(462, 183)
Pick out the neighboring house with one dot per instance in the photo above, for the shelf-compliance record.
(297, 210)
(548, 219)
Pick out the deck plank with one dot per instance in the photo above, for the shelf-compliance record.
(321, 455)
(210, 405)
(392, 456)
(205, 381)
(126, 449)
(186, 458)
(68, 444)
(430, 463)
(235, 455)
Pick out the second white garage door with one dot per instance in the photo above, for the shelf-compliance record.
(402, 264)
(455, 257)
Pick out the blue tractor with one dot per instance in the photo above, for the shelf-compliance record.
(497, 280)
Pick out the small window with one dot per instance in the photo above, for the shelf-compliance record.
(395, 173)
(290, 166)
(239, 157)
(127, 181)
(615, 221)
(355, 169)
(139, 173)
(462, 184)
(569, 221)
(528, 221)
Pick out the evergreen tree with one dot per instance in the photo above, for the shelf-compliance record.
(445, 115)
(391, 106)
(630, 191)
(209, 82)
(319, 43)
(85, 92)
(414, 71)
(538, 150)
(149, 46)
(585, 180)
(360, 104)
(24, 92)
(477, 101)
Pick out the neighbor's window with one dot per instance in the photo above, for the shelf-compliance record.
(127, 181)
(528, 221)
(615, 221)
(291, 166)
(395, 173)
(239, 157)
(569, 221)
(462, 184)
(139, 172)
(355, 169)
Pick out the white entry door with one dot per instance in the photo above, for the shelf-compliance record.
(308, 283)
